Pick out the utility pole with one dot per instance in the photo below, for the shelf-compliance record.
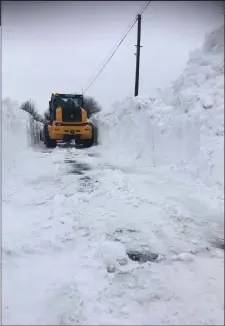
(138, 55)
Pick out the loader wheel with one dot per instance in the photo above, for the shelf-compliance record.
(41, 136)
(78, 141)
(50, 143)
(90, 142)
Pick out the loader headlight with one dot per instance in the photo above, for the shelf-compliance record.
(57, 124)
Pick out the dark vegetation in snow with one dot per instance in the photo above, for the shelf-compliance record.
(91, 106)
(30, 107)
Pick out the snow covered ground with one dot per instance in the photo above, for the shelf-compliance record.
(71, 216)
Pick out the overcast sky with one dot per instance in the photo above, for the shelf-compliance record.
(49, 46)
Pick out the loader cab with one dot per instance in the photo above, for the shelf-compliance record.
(66, 108)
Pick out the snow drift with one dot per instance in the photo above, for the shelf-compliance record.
(18, 130)
(182, 128)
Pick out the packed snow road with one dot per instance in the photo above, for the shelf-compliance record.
(85, 242)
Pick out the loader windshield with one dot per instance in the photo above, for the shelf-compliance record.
(71, 109)
(77, 99)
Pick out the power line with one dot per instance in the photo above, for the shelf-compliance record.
(111, 51)
(142, 11)
(115, 48)
(134, 20)
(110, 56)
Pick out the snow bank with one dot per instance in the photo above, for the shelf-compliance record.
(183, 128)
(15, 134)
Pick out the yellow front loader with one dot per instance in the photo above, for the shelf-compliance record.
(68, 120)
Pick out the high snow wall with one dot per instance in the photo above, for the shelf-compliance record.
(18, 129)
(182, 129)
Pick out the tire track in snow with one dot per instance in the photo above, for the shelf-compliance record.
(72, 237)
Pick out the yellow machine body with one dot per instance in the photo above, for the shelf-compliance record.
(68, 120)
(59, 129)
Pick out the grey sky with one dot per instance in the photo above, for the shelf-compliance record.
(49, 46)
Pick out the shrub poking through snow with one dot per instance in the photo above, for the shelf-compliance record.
(30, 107)
(35, 120)
(91, 106)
